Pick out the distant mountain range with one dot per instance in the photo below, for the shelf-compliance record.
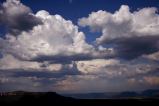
(151, 93)
(93, 99)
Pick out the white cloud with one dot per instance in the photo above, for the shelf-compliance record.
(10, 62)
(123, 23)
(55, 36)
(54, 67)
(95, 66)
(112, 68)
(14, 7)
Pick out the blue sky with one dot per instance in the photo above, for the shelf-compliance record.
(75, 9)
(78, 46)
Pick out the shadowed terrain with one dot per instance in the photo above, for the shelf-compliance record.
(148, 97)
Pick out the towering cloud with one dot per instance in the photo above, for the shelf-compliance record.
(55, 37)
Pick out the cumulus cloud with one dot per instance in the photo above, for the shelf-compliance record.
(113, 68)
(123, 23)
(95, 66)
(76, 77)
(46, 52)
(10, 62)
(57, 40)
(54, 37)
(17, 17)
(132, 33)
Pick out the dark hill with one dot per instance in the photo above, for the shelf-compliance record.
(20, 98)
(27, 98)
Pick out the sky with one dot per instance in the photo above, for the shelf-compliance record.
(79, 46)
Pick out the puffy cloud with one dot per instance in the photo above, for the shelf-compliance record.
(55, 37)
(56, 40)
(17, 77)
(29, 53)
(76, 77)
(113, 68)
(10, 62)
(17, 17)
(128, 32)
(123, 23)
(95, 66)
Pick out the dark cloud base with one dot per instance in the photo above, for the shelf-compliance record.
(133, 47)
